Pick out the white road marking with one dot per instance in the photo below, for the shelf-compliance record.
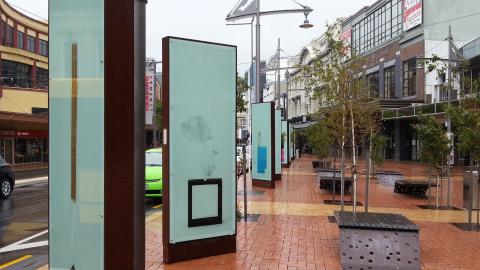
(31, 180)
(19, 244)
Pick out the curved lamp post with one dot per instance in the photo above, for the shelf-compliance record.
(306, 10)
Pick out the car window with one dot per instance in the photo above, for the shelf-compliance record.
(153, 159)
(2, 161)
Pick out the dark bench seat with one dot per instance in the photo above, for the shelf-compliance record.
(411, 187)
(327, 183)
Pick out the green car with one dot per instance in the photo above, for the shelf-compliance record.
(153, 173)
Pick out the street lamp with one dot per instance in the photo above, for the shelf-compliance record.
(250, 12)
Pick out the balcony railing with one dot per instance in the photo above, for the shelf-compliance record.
(415, 111)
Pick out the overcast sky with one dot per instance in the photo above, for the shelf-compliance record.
(205, 20)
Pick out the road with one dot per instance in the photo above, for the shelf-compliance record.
(24, 223)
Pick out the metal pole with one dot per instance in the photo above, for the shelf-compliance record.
(244, 164)
(154, 105)
(277, 92)
(259, 97)
(449, 124)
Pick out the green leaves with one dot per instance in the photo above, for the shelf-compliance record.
(319, 138)
(466, 122)
(434, 143)
(242, 89)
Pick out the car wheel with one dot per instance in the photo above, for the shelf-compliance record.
(5, 188)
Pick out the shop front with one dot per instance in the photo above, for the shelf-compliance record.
(23, 147)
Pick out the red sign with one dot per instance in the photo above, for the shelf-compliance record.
(412, 13)
(24, 134)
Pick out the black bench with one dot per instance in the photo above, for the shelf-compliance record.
(327, 183)
(411, 187)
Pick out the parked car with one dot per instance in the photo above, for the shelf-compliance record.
(7, 179)
(153, 173)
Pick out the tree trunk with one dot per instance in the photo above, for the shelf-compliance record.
(369, 170)
(354, 160)
(342, 179)
(470, 195)
(437, 191)
(334, 171)
(429, 184)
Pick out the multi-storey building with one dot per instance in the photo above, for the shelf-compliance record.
(301, 102)
(396, 38)
(23, 87)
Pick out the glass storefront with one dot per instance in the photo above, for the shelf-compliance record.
(16, 149)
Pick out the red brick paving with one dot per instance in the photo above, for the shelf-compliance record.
(311, 242)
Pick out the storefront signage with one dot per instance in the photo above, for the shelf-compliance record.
(347, 41)
(23, 134)
(412, 14)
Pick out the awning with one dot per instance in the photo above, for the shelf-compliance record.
(303, 125)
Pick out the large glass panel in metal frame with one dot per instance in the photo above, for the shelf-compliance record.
(201, 139)
(291, 142)
(278, 142)
(262, 141)
(285, 139)
(76, 100)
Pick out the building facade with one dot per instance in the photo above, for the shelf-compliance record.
(23, 87)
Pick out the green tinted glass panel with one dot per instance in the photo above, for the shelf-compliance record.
(201, 135)
(262, 141)
(284, 142)
(76, 134)
(278, 142)
(291, 142)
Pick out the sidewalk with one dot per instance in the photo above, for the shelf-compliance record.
(293, 231)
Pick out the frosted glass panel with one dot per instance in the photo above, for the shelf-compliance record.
(291, 142)
(202, 133)
(278, 142)
(76, 134)
(262, 141)
(202, 208)
(284, 142)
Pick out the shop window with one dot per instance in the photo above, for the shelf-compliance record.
(389, 83)
(28, 150)
(20, 36)
(410, 78)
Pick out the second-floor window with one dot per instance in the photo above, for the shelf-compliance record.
(389, 83)
(20, 40)
(30, 43)
(409, 78)
(43, 47)
(8, 35)
(373, 85)
(41, 78)
(15, 74)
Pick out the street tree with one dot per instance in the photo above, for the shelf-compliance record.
(465, 119)
(434, 147)
(242, 88)
(336, 82)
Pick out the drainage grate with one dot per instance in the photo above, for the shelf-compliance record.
(252, 192)
(337, 202)
(250, 218)
(433, 207)
(331, 219)
(467, 227)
